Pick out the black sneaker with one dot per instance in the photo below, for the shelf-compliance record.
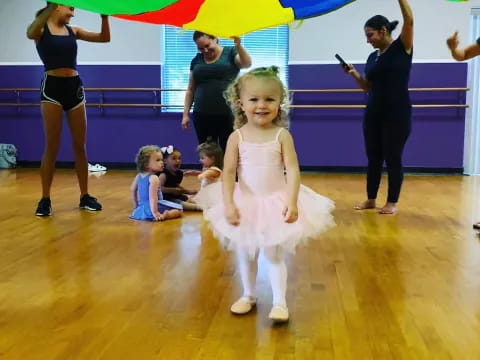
(44, 207)
(88, 202)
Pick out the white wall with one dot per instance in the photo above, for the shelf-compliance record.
(131, 41)
(318, 39)
(314, 42)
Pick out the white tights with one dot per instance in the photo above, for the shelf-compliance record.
(277, 272)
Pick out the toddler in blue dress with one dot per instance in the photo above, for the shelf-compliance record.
(146, 194)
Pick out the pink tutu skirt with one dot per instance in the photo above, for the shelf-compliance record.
(262, 222)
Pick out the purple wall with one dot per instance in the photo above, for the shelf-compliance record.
(323, 137)
(334, 137)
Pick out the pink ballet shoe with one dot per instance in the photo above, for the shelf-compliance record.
(278, 314)
(243, 305)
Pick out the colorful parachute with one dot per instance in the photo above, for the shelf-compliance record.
(224, 18)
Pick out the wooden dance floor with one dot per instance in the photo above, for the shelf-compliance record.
(82, 285)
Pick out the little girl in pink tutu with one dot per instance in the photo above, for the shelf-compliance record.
(267, 210)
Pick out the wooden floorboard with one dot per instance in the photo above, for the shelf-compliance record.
(82, 285)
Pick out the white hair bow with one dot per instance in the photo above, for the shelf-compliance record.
(167, 149)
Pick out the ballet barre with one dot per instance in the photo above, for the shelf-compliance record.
(361, 91)
(339, 106)
(290, 90)
(156, 105)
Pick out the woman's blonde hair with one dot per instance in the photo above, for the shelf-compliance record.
(232, 95)
(143, 156)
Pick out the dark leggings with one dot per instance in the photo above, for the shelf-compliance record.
(218, 127)
(385, 133)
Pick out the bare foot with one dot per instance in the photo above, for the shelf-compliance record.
(172, 214)
(367, 204)
(389, 208)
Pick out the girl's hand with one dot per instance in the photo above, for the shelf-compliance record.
(192, 172)
(290, 214)
(157, 216)
(180, 190)
(452, 41)
(233, 215)
(188, 192)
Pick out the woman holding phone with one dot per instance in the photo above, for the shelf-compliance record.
(387, 118)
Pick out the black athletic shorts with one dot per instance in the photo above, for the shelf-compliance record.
(66, 92)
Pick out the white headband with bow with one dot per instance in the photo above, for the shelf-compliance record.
(167, 149)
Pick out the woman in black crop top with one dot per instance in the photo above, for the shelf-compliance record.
(62, 90)
(387, 119)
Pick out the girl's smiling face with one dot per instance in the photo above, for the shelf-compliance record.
(260, 100)
(173, 161)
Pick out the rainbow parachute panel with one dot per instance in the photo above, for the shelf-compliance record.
(223, 18)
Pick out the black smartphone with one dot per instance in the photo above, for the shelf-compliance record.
(342, 62)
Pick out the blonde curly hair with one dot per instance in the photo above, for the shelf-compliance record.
(232, 95)
(143, 156)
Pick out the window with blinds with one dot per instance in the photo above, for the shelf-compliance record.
(266, 47)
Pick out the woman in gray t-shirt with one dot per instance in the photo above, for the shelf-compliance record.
(211, 71)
